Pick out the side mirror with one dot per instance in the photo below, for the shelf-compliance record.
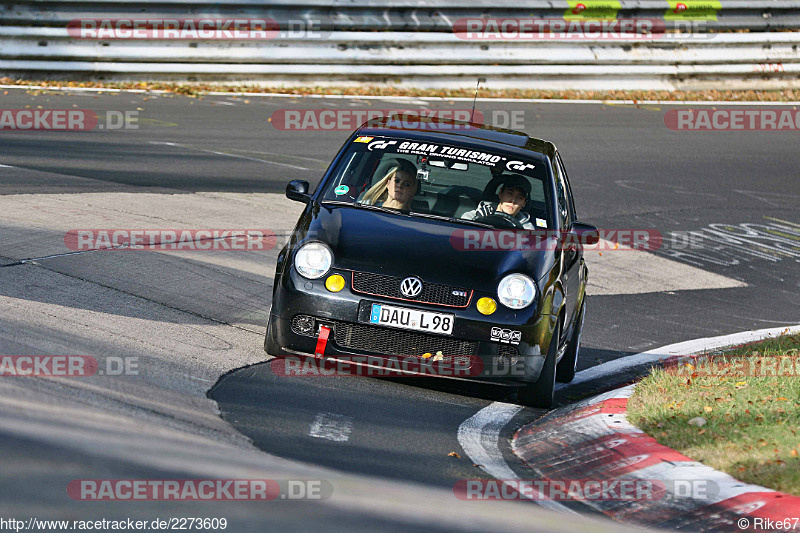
(585, 234)
(297, 190)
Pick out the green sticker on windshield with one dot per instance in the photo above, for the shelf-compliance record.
(341, 189)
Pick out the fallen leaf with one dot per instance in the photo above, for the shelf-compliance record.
(782, 399)
(707, 409)
(454, 454)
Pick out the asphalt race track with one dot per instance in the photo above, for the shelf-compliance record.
(200, 400)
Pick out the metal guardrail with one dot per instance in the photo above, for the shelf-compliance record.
(381, 15)
(750, 45)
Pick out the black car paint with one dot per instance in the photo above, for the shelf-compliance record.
(400, 245)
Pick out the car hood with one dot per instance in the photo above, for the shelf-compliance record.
(403, 245)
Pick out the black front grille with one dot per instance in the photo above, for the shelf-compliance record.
(389, 287)
(388, 341)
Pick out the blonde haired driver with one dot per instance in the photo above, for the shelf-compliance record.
(396, 189)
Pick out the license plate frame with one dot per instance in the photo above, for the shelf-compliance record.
(409, 319)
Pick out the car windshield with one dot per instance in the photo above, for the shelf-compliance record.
(460, 183)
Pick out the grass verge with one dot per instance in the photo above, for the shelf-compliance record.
(199, 88)
(749, 398)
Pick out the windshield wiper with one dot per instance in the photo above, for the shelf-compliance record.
(453, 219)
(412, 213)
(366, 206)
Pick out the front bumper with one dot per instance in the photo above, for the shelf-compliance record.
(346, 313)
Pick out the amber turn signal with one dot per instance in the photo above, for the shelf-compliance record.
(487, 306)
(334, 283)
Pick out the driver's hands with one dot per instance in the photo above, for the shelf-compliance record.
(485, 209)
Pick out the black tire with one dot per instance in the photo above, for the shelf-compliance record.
(565, 371)
(540, 393)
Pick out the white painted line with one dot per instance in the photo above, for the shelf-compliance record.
(331, 426)
(188, 147)
(510, 100)
(424, 98)
(691, 347)
(479, 437)
(6, 166)
(83, 89)
(314, 159)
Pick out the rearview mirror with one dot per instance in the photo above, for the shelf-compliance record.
(448, 163)
(297, 190)
(585, 234)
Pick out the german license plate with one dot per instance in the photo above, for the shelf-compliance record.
(401, 317)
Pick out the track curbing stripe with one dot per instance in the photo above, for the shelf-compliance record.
(597, 430)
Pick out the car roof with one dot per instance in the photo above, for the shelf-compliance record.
(432, 126)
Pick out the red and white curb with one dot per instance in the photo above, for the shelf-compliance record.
(593, 440)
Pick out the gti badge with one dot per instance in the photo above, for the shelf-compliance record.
(411, 287)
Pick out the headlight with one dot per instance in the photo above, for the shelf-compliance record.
(516, 291)
(313, 260)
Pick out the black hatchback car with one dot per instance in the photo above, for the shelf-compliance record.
(438, 237)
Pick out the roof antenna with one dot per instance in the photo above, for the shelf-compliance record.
(475, 99)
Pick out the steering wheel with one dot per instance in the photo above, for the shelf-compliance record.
(500, 219)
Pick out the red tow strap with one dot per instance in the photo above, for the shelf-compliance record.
(322, 340)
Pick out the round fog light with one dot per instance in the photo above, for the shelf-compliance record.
(334, 283)
(487, 306)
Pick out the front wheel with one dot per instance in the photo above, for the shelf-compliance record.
(540, 393)
(565, 372)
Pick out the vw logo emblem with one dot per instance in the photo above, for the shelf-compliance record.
(411, 287)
